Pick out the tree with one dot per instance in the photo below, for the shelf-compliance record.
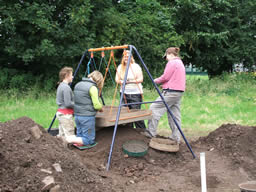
(150, 29)
(214, 34)
(42, 36)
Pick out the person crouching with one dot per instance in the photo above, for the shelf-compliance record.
(86, 96)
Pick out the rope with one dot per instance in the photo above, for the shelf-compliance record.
(116, 87)
(103, 58)
(113, 100)
(112, 57)
(88, 67)
(105, 75)
(88, 64)
(94, 64)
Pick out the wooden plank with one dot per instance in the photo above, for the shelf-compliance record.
(107, 118)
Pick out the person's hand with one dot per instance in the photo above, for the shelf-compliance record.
(131, 81)
(121, 81)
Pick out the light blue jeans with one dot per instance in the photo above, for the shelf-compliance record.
(85, 128)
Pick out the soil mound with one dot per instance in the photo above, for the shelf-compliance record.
(236, 142)
(26, 161)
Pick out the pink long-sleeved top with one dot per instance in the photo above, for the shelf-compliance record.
(174, 76)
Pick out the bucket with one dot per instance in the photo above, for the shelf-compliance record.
(249, 186)
(54, 131)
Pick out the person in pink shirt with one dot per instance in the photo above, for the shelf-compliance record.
(173, 82)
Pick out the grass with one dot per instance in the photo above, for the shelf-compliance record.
(206, 104)
(40, 107)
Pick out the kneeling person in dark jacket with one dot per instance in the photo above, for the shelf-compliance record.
(86, 96)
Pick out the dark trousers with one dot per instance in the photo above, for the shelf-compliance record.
(133, 98)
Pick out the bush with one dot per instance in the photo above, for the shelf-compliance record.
(3, 78)
(24, 81)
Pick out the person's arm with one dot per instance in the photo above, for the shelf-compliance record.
(67, 94)
(95, 98)
(168, 71)
(118, 75)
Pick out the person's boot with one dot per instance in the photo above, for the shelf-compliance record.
(74, 139)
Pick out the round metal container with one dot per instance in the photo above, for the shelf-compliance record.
(135, 148)
(249, 186)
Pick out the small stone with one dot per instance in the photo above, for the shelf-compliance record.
(211, 149)
(46, 171)
(140, 166)
(49, 183)
(131, 181)
(56, 188)
(36, 132)
(57, 167)
(125, 156)
(101, 168)
(27, 139)
(151, 161)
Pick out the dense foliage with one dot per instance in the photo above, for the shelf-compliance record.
(40, 37)
(217, 33)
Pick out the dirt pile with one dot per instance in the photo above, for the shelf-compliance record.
(26, 161)
(236, 142)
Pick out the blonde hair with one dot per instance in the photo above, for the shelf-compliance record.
(98, 78)
(64, 72)
(123, 64)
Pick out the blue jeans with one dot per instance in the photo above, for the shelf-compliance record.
(85, 128)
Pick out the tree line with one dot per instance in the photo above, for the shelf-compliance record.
(40, 37)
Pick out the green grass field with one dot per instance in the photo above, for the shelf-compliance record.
(206, 104)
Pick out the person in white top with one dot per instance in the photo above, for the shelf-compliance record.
(133, 89)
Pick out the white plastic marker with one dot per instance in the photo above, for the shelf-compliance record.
(203, 172)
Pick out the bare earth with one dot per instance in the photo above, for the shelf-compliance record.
(25, 161)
